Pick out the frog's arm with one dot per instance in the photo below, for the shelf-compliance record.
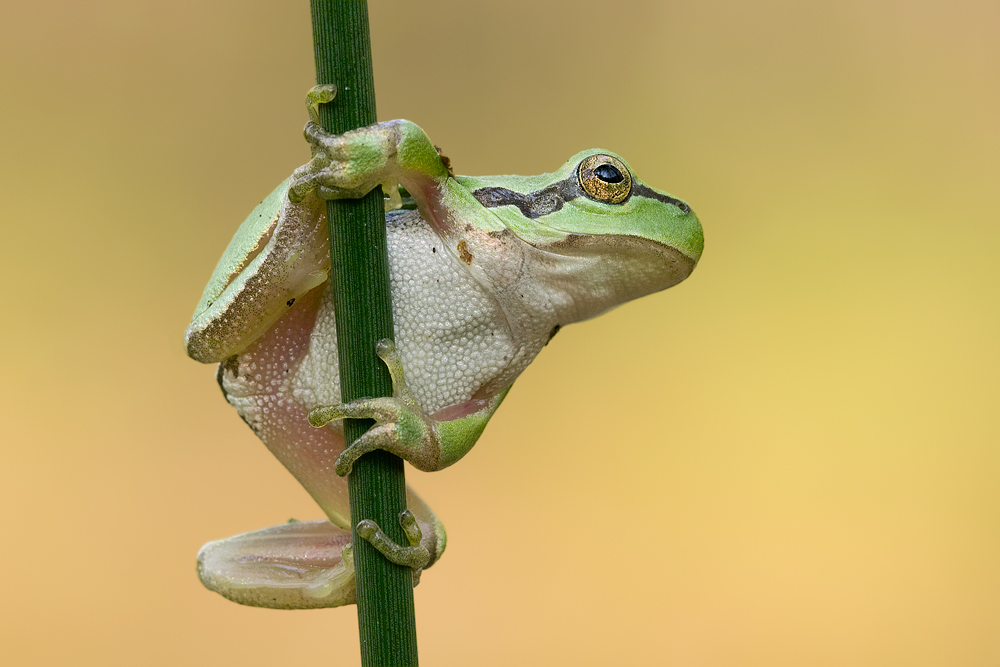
(396, 152)
(403, 428)
(349, 165)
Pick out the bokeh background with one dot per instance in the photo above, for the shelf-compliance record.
(790, 459)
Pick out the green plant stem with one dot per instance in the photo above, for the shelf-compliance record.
(360, 274)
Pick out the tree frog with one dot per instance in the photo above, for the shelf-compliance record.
(484, 272)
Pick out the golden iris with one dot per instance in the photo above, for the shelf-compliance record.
(605, 178)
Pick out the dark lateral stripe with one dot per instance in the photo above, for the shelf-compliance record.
(533, 204)
(645, 191)
(552, 198)
(494, 197)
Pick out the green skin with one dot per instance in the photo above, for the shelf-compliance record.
(484, 276)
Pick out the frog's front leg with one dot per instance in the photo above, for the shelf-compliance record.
(349, 165)
(403, 428)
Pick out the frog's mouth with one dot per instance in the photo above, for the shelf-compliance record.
(637, 260)
(597, 273)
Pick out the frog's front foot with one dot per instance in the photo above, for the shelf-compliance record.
(414, 556)
(401, 427)
(344, 166)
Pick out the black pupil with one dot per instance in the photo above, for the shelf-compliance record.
(609, 174)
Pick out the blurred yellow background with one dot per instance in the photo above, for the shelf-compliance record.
(790, 459)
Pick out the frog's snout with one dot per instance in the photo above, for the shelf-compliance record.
(679, 265)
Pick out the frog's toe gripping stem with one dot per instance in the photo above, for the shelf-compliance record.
(414, 556)
(319, 95)
(386, 351)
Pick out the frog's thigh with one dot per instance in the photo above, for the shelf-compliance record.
(258, 383)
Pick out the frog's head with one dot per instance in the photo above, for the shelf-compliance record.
(602, 228)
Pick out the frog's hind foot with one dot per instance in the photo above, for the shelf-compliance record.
(414, 556)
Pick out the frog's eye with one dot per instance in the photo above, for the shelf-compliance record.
(605, 178)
